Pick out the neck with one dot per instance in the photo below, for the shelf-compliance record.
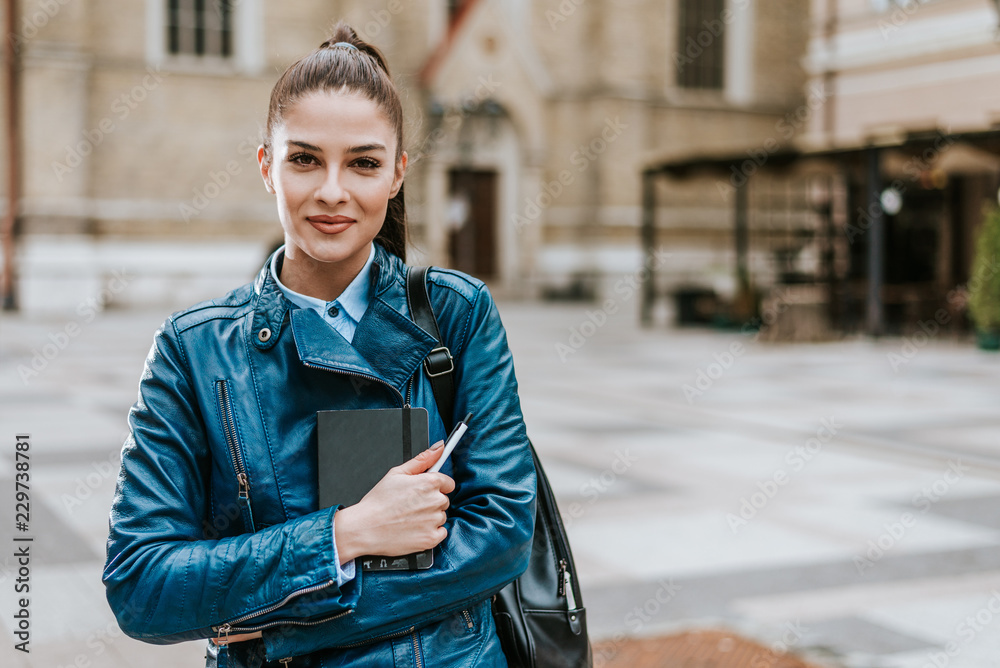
(323, 280)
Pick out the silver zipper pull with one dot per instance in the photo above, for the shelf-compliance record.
(226, 629)
(561, 587)
(244, 482)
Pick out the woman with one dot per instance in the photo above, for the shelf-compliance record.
(215, 531)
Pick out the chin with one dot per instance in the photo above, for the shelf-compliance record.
(330, 250)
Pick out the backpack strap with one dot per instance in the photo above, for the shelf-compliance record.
(438, 365)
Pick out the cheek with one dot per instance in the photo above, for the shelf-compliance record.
(373, 193)
(292, 189)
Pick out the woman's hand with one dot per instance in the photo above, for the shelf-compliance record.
(402, 514)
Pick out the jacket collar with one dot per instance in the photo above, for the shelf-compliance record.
(387, 344)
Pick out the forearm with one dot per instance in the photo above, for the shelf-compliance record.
(167, 592)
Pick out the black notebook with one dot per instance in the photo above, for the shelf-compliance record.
(356, 448)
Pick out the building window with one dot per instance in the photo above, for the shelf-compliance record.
(200, 27)
(700, 44)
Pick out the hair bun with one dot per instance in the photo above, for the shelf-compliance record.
(330, 44)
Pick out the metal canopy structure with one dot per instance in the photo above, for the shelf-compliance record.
(922, 167)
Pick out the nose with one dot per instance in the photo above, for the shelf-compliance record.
(332, 190)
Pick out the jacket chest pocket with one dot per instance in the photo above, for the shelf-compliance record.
(234, 448)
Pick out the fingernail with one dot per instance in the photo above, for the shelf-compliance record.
(439, 444)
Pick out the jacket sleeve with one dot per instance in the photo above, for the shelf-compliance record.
(165, 581)
(491, 518)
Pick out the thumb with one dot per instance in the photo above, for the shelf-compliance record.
(423, 461)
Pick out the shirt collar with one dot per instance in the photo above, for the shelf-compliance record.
(354, 299)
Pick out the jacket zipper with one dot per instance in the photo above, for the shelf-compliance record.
(403, 402)
(417, 656)
(229, 427)
(231, 626)
(387, 636)
(468, 618)
(565, 585)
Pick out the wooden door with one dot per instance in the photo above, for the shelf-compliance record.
(472, 241)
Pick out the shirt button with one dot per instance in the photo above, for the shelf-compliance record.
(333, 311)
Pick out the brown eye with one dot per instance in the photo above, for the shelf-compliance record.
(302, 159)
(367, 163)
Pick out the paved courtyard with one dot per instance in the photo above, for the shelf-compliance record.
(836, 500)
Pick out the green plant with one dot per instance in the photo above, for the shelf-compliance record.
(984, 283)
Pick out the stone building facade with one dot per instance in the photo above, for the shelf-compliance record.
(528, 124)
(919, 84)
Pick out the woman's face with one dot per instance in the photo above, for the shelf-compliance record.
(333, 169)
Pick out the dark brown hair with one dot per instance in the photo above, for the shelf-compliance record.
(362, 70)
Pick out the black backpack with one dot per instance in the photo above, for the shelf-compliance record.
(540, 618)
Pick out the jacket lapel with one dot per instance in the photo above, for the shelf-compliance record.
(387, 344)
(391, 343)
(319, 344)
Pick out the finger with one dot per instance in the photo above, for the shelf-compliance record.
(236, 637)
(423, 461)
(446, 484)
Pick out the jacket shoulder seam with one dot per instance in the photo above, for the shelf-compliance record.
(439, 277)
(180, 348)
(468, 321)
(214, 309)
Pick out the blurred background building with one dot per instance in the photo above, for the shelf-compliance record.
(528, 126)
(561, 148)
(866, 220)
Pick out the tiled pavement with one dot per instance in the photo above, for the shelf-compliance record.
(829, 499)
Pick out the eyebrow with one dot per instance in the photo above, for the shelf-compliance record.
(363, 148)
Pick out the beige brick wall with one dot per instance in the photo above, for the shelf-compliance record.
(602, 111)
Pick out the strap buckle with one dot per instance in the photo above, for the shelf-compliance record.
(434, 362)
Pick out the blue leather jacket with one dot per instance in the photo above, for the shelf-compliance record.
(215, 518)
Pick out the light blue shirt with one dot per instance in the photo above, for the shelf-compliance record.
(343, 314)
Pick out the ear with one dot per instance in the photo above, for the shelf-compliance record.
(265, 168)
(397, 179)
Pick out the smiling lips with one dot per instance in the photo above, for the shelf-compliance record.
(330, 224)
